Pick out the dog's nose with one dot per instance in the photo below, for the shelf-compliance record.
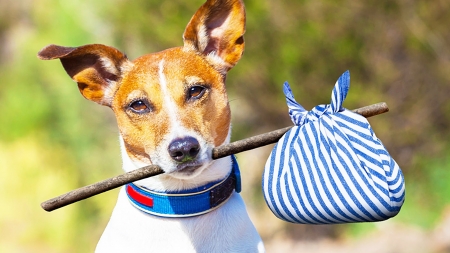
(184, 149)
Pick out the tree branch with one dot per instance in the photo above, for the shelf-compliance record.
(153, 170)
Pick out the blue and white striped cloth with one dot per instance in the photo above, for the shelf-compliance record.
(331, 168)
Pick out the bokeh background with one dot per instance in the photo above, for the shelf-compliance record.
(52, 140)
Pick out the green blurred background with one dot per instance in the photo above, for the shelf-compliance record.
(52, 140)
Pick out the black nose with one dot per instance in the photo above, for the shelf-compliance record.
(184, 149)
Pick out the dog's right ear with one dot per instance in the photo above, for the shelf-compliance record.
(96, 68)
(217, 31)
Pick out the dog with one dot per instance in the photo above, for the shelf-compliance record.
(172, 110)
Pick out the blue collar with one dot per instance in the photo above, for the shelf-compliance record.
(187, 203)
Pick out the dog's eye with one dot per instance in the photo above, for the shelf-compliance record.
(139, 106)
(196, 92)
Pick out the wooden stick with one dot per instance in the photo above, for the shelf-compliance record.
(272, 137)
(153, 170)
(100, 187)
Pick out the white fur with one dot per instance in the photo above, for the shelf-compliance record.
(226, 229)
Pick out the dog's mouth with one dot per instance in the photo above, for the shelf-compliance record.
(188, 169)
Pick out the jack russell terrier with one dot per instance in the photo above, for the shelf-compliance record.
(172, 110)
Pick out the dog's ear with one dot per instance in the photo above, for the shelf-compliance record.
(96, 68)
(217, 31)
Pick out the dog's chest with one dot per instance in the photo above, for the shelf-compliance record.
(224, 228)
(142, 232)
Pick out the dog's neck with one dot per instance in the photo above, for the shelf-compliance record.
(214, 171)
(187, 203)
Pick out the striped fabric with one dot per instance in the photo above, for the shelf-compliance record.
(331, 168)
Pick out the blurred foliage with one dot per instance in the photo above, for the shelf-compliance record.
(52, 140)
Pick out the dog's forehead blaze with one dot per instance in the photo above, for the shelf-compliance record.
(210, 117)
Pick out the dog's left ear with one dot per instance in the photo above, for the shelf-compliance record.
(217, 31)
(96, 68)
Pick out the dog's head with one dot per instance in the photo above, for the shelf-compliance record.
(171, 107)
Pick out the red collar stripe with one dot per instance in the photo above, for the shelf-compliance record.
(141, 199)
